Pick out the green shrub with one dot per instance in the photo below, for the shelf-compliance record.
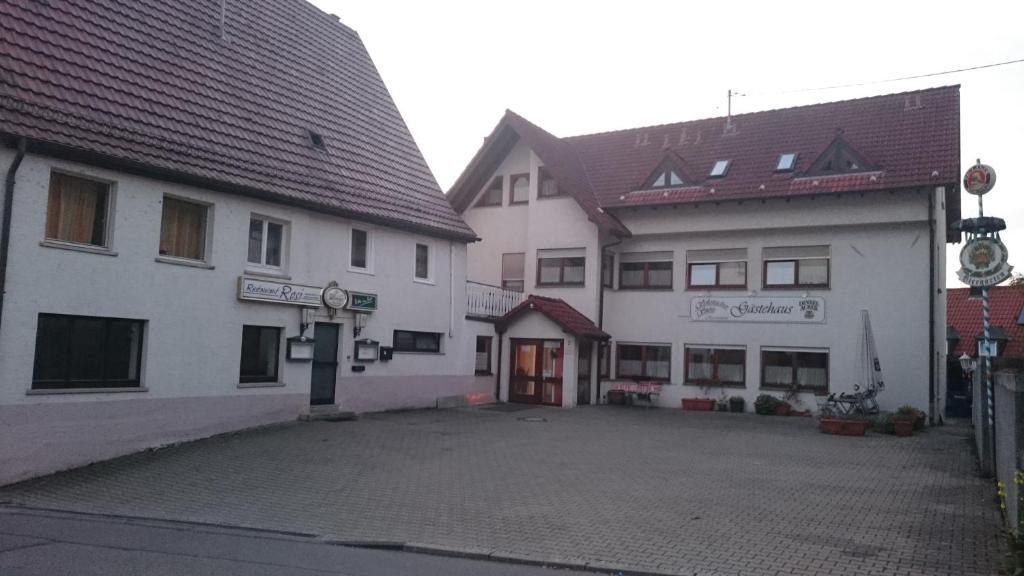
(766, 404)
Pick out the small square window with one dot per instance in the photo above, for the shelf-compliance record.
(720, 168)
(786, 162)
(317, 140)
(513, 271)
(492, 196)
(183, 229)
(261, 347)
(77, 210)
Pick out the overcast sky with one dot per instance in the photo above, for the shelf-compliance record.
(581, 67)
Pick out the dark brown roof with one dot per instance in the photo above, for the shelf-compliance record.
(911, 139)
(561, 313)
(152, 87)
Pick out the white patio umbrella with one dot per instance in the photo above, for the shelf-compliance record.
(871, 368)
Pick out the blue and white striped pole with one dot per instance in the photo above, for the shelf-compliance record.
(989, 392)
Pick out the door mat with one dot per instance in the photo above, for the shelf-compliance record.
(507, 407)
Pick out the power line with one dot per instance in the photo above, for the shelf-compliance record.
(872, 82)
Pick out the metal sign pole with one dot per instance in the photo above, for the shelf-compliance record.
(989, 392)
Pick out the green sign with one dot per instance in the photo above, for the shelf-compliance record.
(362, 301)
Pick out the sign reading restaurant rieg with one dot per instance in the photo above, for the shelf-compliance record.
(799, 310)
(278, 292)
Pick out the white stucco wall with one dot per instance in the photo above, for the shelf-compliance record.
(194, 319)
(543, 223)
(879, 262)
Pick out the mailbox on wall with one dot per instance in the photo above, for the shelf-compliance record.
(386, 353)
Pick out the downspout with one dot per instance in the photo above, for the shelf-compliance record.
(600, 315)
(497, 367)
(932, 416)
(5, 227)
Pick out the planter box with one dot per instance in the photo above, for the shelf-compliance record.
(843, 427)
(903, 427)
(783, 410)
(802, 413)
(699, 404)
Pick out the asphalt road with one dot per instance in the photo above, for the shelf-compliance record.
(45, 543)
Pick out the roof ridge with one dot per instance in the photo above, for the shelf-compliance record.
(768, 110)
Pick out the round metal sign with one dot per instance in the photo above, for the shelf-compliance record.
(979, 179)
(334, 297)
(983, 262)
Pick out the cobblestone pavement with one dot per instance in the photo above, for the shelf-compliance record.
(649, 490)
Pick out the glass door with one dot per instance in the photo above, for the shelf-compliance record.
(536, 372)
(583, 374)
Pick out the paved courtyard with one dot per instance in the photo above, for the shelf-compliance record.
(649, 490)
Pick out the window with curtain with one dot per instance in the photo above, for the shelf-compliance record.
(547, 186)
(644, 361)
(492, 196)
(717, 268)
(724, 366)
(520, 185)
(87, 352)
(422, 268)
(561, 267)
(359, 253)
(513, 271)
(797, 266)
(645, 270)
(77, 210)
(183, 229)
(802, 370)
(261, 347)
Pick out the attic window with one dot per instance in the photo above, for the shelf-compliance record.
(317, 140)
(666, 175)
(720, 168)
(839, 158)
(786, 162)
(492, 196)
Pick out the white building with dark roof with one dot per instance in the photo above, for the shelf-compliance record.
(208, 227)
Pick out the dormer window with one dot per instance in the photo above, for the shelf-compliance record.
(839, 158)
(786, 162)
(667, 175)
(547, 186)
(720, 168)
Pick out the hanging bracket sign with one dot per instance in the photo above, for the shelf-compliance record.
(277, 292)
(983, 262)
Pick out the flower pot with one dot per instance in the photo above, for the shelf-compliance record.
(919, 421)
(802, 413)
(617, 397)
(853, 427)
(903, 427)
(737, 405)
(783, 410)
(830, 425)
(698, 404)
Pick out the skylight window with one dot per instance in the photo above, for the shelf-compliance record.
(720, 168)
(786, 162)
(316, 140)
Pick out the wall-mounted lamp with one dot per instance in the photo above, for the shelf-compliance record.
(358, 322)
(967, 364)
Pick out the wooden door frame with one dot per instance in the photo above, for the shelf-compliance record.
(538, 378)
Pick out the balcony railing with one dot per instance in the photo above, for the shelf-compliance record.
(486, 301)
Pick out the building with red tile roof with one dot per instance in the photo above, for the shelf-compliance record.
(1006, 319)
(739, 251)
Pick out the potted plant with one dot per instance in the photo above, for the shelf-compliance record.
(766, 404)
(843, 425)
(737, 404)
(722, 405)
(705, 404)
(905, 420)
(783, 408)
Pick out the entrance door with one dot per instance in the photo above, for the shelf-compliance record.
(583, 374)
(325, 363)
(536, 372)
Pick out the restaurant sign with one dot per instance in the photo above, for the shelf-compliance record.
(983, 262)
(261, 290)
(757, 309)
(361, 301)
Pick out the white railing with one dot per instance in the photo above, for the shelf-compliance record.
(486, 301)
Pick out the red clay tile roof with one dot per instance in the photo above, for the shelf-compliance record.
(913, 138)
(1005, 306)
(152, 87)
(559, 312)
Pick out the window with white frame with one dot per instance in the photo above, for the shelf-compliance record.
(645, 270)
(422, 267)
(519, 185)
(719, 268)
(360, 256)
(796, 267)
(77, 210)
(183, 229)
(267, 240)
(718, 365)
(794, 369)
